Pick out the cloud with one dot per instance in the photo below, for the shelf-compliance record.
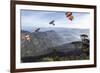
(42, 19)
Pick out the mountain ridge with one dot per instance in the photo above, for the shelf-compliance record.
(42, 42)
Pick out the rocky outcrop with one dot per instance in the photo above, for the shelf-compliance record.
(40, 43)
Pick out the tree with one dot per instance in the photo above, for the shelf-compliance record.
(84, 37)
(85, 43)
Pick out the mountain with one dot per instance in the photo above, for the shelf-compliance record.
(39, 43)
(68, 34)
(49, 39)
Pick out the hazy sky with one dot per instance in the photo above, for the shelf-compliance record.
(42, 19)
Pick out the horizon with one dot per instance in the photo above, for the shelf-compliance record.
(50, 28)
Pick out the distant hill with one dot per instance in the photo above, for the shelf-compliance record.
(68, 34)
(46, 40)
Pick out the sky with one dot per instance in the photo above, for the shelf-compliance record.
(31, 18)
